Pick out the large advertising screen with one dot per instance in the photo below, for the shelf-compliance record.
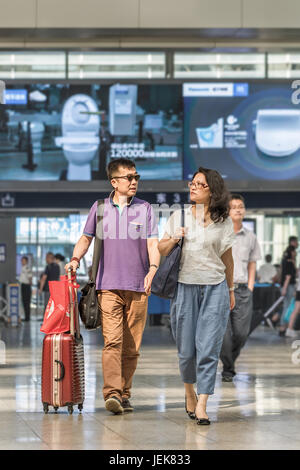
(249, 132)
(51, 132)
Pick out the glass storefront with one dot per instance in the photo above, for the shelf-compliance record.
(36, 236)
(273, 233)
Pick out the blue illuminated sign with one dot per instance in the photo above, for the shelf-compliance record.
(15, 96)
(241, 89)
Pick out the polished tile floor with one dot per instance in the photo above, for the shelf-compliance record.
(260, 410)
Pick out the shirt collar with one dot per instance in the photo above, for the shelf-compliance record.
(111, 196)
(242, 231)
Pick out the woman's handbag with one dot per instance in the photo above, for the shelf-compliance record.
(164, 283)
(88, 305)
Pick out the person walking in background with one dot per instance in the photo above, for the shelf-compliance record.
(51, 273)
(26, 283)
(290, 331)
(293, 241)
(200, 309)
(267, 272)
(128, 262)
(288, 283)
(246, 252)
(60, 260)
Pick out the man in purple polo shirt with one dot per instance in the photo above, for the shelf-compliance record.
(128, 262)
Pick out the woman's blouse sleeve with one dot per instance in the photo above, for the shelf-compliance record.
(228, 236)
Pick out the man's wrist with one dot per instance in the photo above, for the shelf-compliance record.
(153, 268)
(74, 258)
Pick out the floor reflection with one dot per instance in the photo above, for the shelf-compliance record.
(258, 410)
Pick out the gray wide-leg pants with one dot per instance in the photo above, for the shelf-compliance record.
(199, 316)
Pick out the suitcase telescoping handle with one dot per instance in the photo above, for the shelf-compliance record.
(74, 316)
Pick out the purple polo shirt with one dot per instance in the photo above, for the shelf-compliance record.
(124, 261)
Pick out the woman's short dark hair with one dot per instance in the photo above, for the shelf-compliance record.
(219, 202)
(114, 165)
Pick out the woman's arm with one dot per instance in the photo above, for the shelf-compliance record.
(228, 261)
(167, 243)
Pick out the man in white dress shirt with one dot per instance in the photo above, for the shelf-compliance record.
(245, 252)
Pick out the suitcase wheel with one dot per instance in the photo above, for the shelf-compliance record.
(80, 407)
(46, 407)
(70, 409)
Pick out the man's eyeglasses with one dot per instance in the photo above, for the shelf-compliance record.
(127, 177)
(197, 185)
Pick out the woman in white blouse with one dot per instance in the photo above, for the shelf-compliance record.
(205, 291)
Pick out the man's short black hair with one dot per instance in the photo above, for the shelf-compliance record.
(268, 258)
(237, 196)
(114, 165)
(25, 257)
(293, 238)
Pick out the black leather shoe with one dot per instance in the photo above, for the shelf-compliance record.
(191, 414)
(202, 421)
(227, 378)
(126, 405)
(114, 405)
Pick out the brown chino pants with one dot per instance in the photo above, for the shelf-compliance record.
(123, 315)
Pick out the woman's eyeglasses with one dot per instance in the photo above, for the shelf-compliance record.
(197, 185)
(127, 177)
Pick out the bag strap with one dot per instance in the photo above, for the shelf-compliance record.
(98, 240)
(182, 225)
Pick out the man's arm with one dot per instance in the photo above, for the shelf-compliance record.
(251, 274)
(154, 258)
(286, 284)
(30, 276)
(254, 255)
(42, 282)
(79, 251)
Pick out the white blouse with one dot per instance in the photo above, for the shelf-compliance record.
(202, 248)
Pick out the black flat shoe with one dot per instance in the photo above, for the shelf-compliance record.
(202, 421)
(227, 378)
(191, 414)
